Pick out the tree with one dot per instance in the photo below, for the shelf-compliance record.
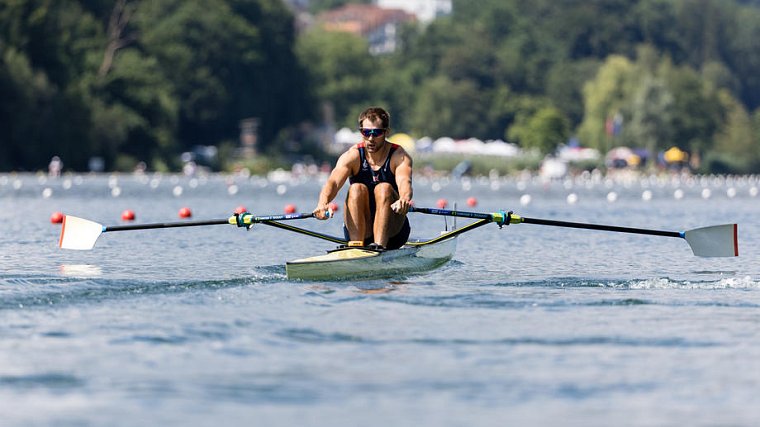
(744, 57)
(448, 108)
(605, 96)
(544, 130)
(26, 100)
(696, 110)
(340, 70)
(736, 143)
(47, 47)
(226, 63)
(650, 125)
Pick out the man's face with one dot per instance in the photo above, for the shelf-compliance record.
(373, 135)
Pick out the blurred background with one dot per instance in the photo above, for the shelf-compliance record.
(551, 87)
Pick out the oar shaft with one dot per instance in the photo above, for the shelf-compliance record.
(311, 233)
(165, 225)
(249, 219)
(516, 219)
(600, 227)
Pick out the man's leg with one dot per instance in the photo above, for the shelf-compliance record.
(357, 214)
(387, 223)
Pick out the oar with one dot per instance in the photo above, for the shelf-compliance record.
(80, 233)
(338, 240)
(713, 241)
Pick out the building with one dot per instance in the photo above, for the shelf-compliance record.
(424, 10)
(378, 25)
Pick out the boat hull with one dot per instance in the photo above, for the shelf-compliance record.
(354, 263)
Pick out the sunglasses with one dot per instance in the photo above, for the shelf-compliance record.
(372, 132)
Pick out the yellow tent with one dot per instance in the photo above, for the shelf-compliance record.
(403, 140)
(675, 154)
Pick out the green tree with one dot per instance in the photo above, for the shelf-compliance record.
(696, 112)
(317, 6)
(340, 70)
(744, 57)
(604, 96)
(650, 124)
(448, 108)
(135, 112)
(26, 101)
(544, 130)
(564, 86)
(201, 50)
(736, 144)
(47, 47)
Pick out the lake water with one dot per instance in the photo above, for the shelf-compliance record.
(528, 325)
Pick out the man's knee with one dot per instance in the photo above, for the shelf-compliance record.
(385, 194)
(358, 192)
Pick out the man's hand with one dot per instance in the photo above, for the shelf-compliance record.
(401, 206)
(322, 212)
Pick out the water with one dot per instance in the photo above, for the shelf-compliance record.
(528, 325)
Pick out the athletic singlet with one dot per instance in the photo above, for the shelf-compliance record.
(370, 177)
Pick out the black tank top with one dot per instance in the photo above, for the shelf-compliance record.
(370, 177)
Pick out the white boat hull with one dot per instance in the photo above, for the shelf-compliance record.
(351, 263)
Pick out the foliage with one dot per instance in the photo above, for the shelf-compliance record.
(479, 164)
(604, 97)
(317, 6)
(144, 80)
(130, 80)
(544, 130)
(339, 71)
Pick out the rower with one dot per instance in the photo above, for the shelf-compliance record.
(380, 192)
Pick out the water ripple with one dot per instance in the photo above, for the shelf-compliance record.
(313, 336)
(51, 380)
(39, 291)
(745, 282)
(308, 335)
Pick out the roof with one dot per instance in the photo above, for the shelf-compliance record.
(362, 19)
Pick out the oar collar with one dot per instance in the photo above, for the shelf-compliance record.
(503, 218)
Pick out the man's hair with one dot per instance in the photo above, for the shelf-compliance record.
(374, 114)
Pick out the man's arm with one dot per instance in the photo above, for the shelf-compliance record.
(335, 182)
(403, 174)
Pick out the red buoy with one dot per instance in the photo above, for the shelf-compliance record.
(128, 215)
(56, 218)
(240, 209)
(290, 208)
(185, 212)
(442, 203)
(333, 206)
(472, 202)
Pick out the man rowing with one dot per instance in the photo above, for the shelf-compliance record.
(380, 192)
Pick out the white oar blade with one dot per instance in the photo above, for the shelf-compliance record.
(78, 233)
(715, 241)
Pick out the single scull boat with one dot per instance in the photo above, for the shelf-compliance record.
(414, 257)
(358, 262)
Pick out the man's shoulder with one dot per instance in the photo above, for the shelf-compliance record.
(351, 155)
(352, 151)
(399, 151)
(399, 157)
